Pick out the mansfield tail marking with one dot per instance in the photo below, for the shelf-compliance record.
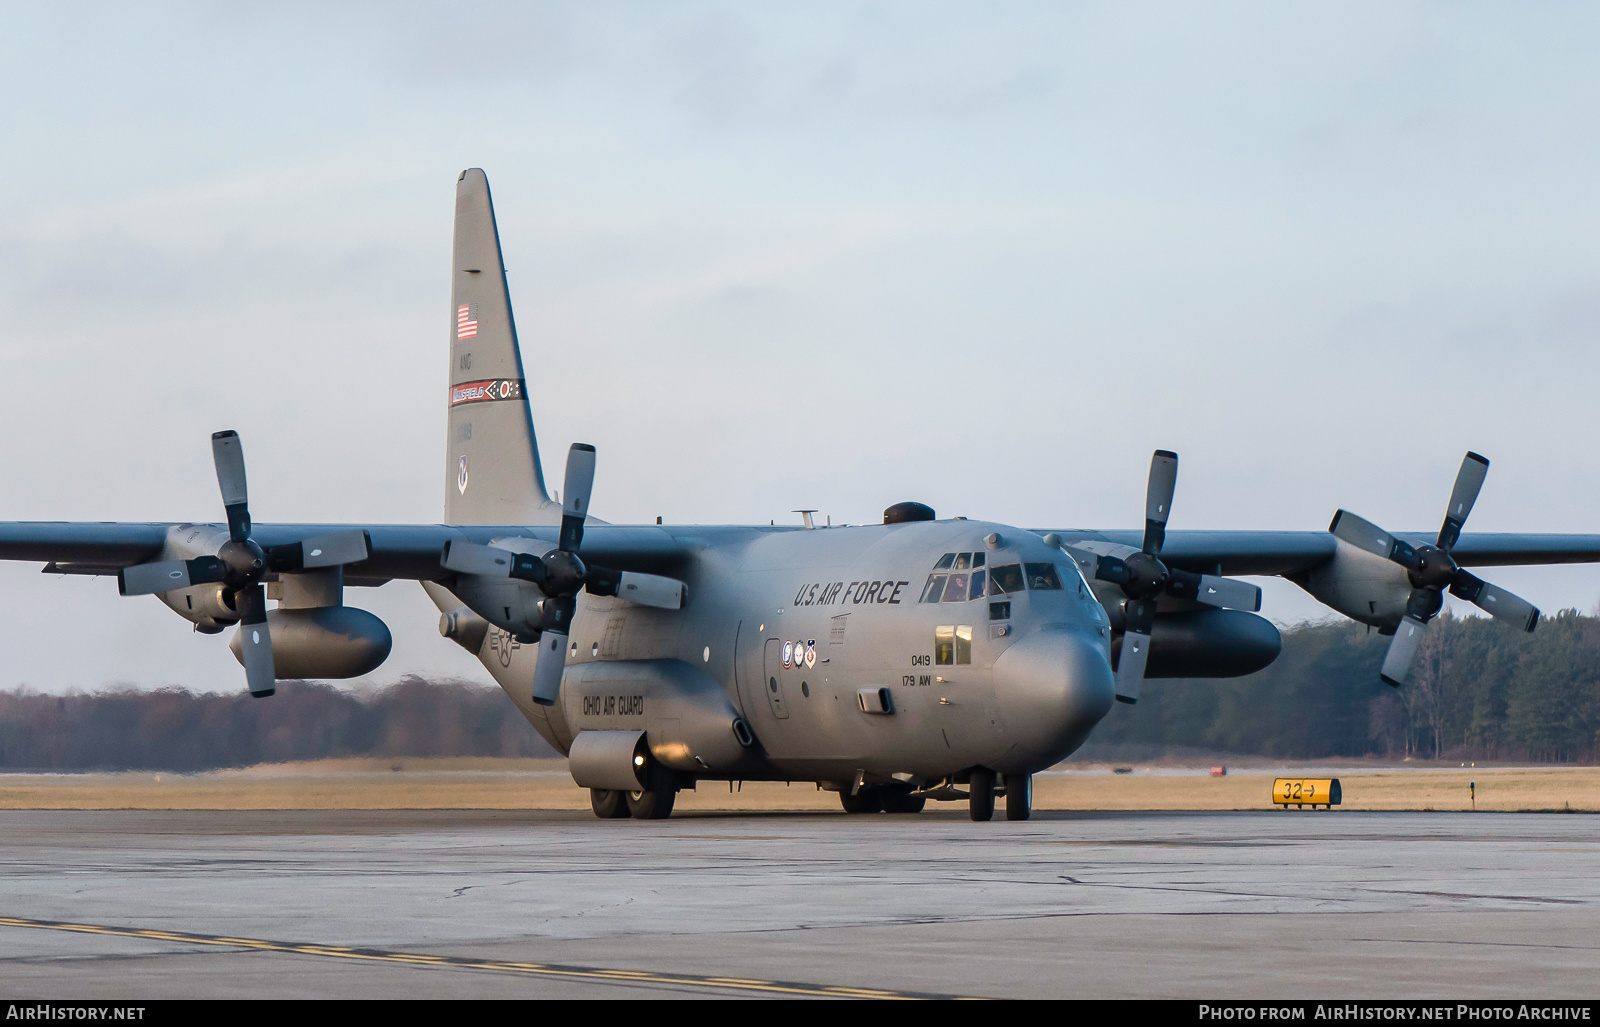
(488, 390)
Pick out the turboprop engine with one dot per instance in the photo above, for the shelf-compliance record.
(323, 642)
(1230, 635)
(223, 573)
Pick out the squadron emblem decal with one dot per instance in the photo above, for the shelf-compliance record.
(811, 652)
(788, 655)
(461, 477)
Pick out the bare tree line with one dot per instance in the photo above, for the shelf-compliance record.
(177, 730)
(1478, 691)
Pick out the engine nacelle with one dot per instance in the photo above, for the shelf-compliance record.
(1360, 585)
(324, 642)
(1211, 644)
(203, 605)
(508, 604)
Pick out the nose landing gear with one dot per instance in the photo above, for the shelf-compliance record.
(1019, 796)
(981, 791)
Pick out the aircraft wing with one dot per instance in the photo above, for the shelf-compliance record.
(1291, 552)
(397, 550)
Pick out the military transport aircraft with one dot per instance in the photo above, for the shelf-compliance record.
(894, 663)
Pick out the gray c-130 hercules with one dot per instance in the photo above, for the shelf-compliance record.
(916, 659)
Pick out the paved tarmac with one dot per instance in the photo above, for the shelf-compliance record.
(557, 905)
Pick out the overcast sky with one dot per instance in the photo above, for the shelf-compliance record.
(986, 256)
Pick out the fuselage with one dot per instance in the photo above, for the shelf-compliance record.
(912, 650)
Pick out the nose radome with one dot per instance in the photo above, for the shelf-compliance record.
(1053, 687)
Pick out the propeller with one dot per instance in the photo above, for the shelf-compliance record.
(1144, 578)
(561, 574)
(1432, 569)
(240, 563)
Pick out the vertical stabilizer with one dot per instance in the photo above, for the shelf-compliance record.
(492, 473)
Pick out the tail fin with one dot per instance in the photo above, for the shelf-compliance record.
(492, 472)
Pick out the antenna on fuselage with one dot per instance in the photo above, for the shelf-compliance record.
(805, 515)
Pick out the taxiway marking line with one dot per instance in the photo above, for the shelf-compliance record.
(470, 963)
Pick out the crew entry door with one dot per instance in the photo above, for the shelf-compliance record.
(772, 678)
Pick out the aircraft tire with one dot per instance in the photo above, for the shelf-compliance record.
(608, 804)
(1019, 796)
(980, 790)
(652, 805)
(657, 802)
(868, 800)
(899, 801)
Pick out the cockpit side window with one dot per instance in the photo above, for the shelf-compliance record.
(1006, 578)
(932, 592)
(1042, 577)
(952, 645)
(944, 562)
(955, 590)
(963, 643)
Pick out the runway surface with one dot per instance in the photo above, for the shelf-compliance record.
(556, 905)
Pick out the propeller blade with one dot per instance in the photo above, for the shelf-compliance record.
(653, 590)
(575, 495)
(1130, 665)
(490, 561)
(1495, 601)
(471, 558)
(228, 456)
(1363, 534)
(335, 549)
(168, 575)
(547, 672)
(1468, 481)
(255, 641)
(1229, 593)
(1158, 499)
(1402, 650)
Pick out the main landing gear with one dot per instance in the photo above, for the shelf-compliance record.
(653, 803)
(981, 790)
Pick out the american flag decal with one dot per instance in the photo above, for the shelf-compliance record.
(466, 327)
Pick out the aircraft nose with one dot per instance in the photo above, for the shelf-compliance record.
(1053, 687)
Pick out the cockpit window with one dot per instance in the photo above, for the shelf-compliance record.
(970, 580)
(1042, 577)
(1006, 578)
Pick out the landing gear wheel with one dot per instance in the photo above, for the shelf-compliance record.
(1019, 796)
(656, 802)
(980, 789)
(899, 800)
(607, 804)
(652, 805)
(867, 800)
